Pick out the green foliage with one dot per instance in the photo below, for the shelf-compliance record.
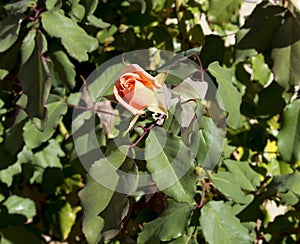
(217, 217)
(214, 166)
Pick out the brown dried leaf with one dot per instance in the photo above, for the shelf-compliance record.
(106, 115)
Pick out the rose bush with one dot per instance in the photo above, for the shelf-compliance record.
(136, 90)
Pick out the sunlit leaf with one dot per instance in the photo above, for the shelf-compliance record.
(216, 217)
(62, 217)
(20, 205)
(9, 31)
(228, 97)
(261, 71)
(33, 136)
(76, 41)
(95, 197)
(6, 175)
(99, 23)
(220, 12)
(241, 171)
(230, 187)
(171, 164)
(48, 157)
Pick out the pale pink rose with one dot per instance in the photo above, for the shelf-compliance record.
(135, 89)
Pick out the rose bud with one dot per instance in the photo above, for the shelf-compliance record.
(135, 90)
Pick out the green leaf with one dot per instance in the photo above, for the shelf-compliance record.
(95, 197)
(9, 59)
(34, 76)
(221, 11)
(99, 23)
(6, 175)
(114, 215)
(228, 97)
(171, 164)
(9, 31)
(76, 41)
(62, 217)
(230, 187)
(19, 6)
(174, 120)
(34, 137)
(90, 6)
(276, 167)
(171, 224)
(286, 53)
(28, 45)
(48, 157)
(24, 232)
(102, 80)
(287, 187)
(208, 143)
(289, 133)
(219, 225)
(13, 139)
(53, 4)
(20, 205)
(77, 10)
(241, 171)
(64, 70)
(119, 204)
(261, 71)
(191, 90)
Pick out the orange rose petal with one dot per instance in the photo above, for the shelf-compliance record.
(142, 96)
(125, 104)
(147, 79)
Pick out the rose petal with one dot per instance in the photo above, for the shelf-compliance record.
(142, 96)
(125, 104)
(145, 77)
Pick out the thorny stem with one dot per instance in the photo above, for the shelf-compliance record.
(90, 109)
(201, 70)
(146, 130)
(36, 15)
(199, 206)
(204, 185)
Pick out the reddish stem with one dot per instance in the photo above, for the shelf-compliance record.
(201, 70)
(200, 205)
(146, 130)
(90, 109)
